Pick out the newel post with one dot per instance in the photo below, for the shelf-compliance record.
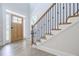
(32, 36)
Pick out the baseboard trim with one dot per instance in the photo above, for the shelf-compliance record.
(53, 51)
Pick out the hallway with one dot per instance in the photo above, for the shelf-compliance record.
(21, 48)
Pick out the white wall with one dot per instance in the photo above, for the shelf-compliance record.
(34, 9)
(25, 9)
(1, 26)
(21, 9)
(38, 9)
(66, 42)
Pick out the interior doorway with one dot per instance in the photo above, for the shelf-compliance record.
(16, 28)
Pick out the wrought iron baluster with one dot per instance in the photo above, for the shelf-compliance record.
(43, 27)
(66, 13)
(39, 30)
(55, 17)
(60, 13)
(32, 35)
(69, 9)
(52, 17)
(38, 33)
(35, 34)
(77, 8)
(50, 21)
(63, 13)
(46, 24)
(73, 8)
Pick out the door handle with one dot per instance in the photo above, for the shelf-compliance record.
(11, 27)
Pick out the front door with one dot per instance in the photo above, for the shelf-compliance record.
(16, 28)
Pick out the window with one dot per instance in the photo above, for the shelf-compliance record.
(20, 20)
(17, 19)
(14, 19)
(7, 26)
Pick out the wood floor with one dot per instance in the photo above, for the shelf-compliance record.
(21, 48)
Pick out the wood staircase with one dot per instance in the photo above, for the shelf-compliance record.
(53, 21)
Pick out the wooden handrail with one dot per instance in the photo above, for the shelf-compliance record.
(45, 13)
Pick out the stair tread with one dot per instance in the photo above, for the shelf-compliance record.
(55, 32)
(65, 23)
(56, 29)
(73, 19)
(49, 34)
(43, 37)
(38, 43)
(43, 40)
